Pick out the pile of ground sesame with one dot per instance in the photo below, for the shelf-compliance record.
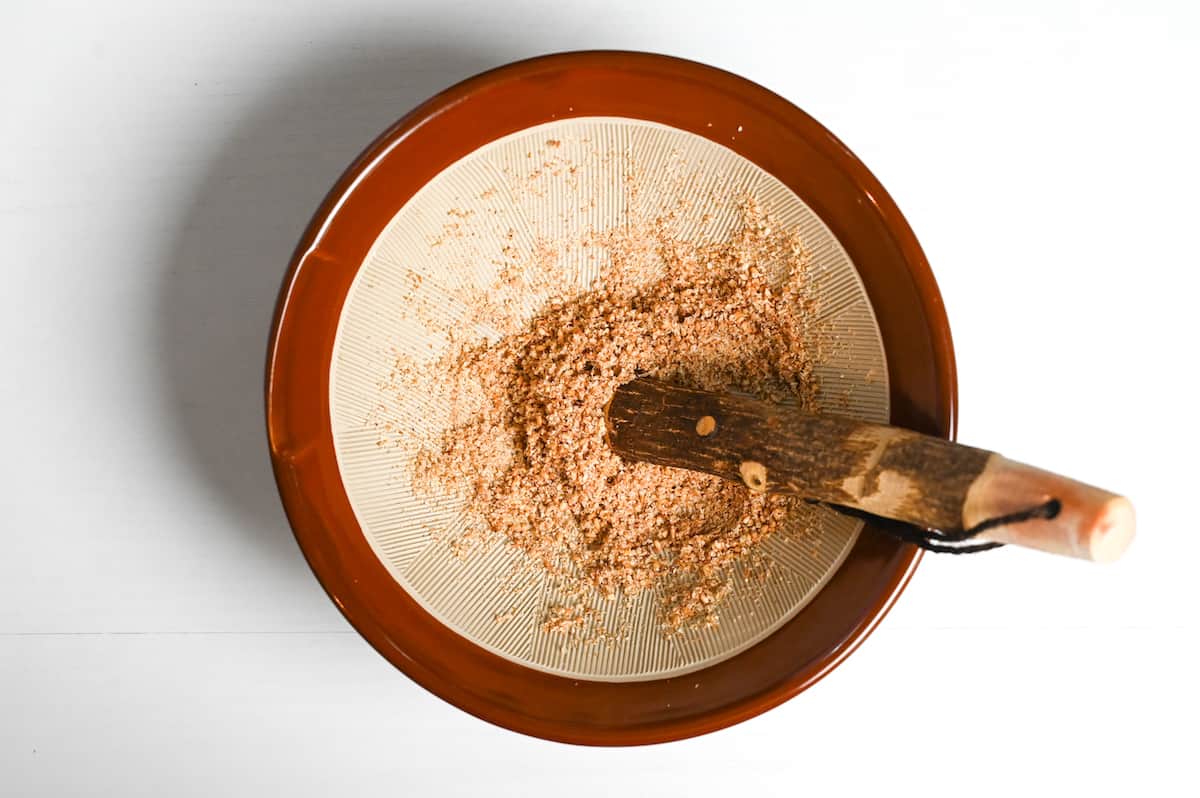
(526, 447)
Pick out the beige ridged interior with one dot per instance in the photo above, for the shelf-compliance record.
(408, 293)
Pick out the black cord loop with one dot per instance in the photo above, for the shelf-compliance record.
(953, 541)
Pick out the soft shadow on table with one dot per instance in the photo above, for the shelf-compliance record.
(234, 242)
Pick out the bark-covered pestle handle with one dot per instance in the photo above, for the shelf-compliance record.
(885, 471)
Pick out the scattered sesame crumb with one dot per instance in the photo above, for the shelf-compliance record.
(526, 447)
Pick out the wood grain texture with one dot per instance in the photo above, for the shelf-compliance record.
(884, 470)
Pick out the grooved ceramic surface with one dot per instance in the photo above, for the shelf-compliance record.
(549, 185)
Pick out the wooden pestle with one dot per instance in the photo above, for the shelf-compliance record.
(885, 471)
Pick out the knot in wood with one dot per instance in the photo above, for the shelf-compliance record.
(754, 474)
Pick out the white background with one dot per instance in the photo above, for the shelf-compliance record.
(160, 633)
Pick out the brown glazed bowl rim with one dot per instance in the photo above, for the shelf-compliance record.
(706, 101)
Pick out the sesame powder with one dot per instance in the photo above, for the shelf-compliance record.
(525, 448)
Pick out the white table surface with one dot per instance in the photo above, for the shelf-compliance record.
(160, 634)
